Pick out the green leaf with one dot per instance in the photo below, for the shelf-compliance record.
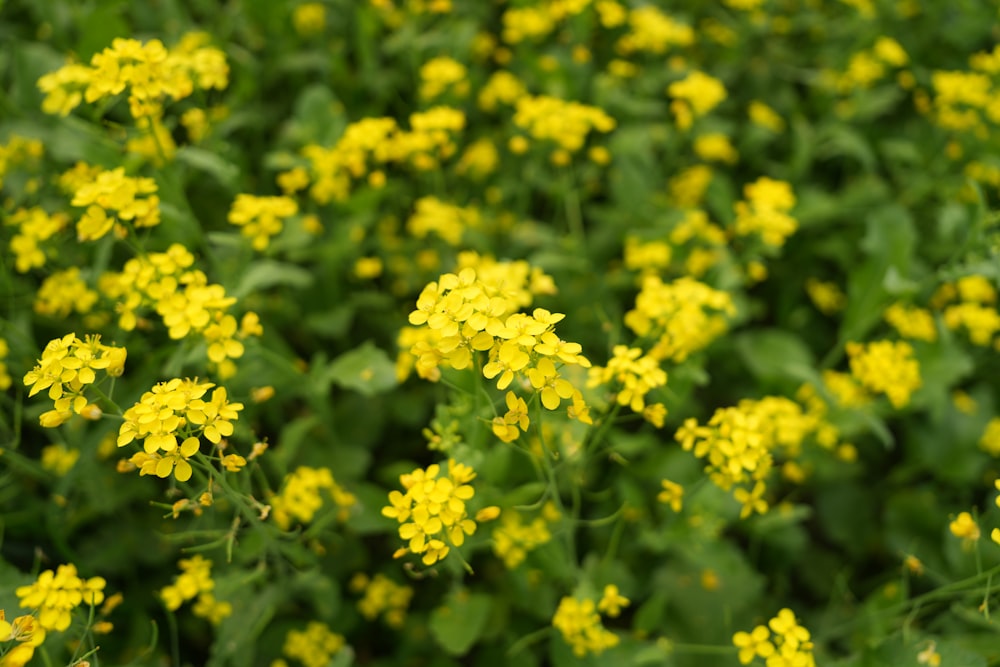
(226, 173)
(774, 354)
(460, 622)
(266, 273)
(365, 369)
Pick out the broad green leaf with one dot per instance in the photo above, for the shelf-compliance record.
(365, 369)
(267, 273)
(460, 622)
(226, 173)
(776, 354)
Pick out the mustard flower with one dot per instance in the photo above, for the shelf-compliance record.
(885, 367)
(55, 594)
(382, 597)
(432, 513)
(261, 218)
(580, 625)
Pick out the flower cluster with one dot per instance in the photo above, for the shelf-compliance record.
(911, 322)
(764, 211)
(62, 293)
(55, 594)
(370, 145)
(260, 218)
(170, 420)
(17, 151)
(740, 444)
(148, 72)
(514, 538)
(650, 30)
(447, 221)
(313, 647)
(781, 642)
(975, 310)
(886, 367)
(382, 597)
(34, 227)
(184, 299)
(694, 96)
(633, 373)
(66, 367)
(477, 311)
(432, 512)
(579, 621)
(566, 124)
(303, 494)
(826, 296)
(868, 66)
(5, 379)
(443, 75)
(680, 317)
(111, 199)
(195, 581)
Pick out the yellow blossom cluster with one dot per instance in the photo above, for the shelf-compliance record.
(632, 373)
(579, 621)
(687, 188)
(148, 73)
(649, 256)
(62, 293)
(442, 75)
(695, 234)
(886, 367)
(382, 597)
(447, 221)
(514, 538)
(34, 227)
(826, 295)
(501, 88)
(373, 144)
(762, 115)
(313, 647)
(18, 150)
(845, 389)
(55, 594)
(650, 29)
(5, 379)
(781, 642)
(911, 322)
(764, 211)
(990, 439)
(740, 444)
(565, 124)
(975, 311)
(66, 367)
(195, 581)
(432, 512)
(694, 96)
(260, 218)
(868, 66)
(680, 317)
(715, 147)
(170, 419)
(59, 459)
(671, 494)
(302, 496)
(184, 299)
(966, 100)
(477, 311)
(309, 18)
(114, 199)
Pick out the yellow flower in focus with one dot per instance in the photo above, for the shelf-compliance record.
(886, 367)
